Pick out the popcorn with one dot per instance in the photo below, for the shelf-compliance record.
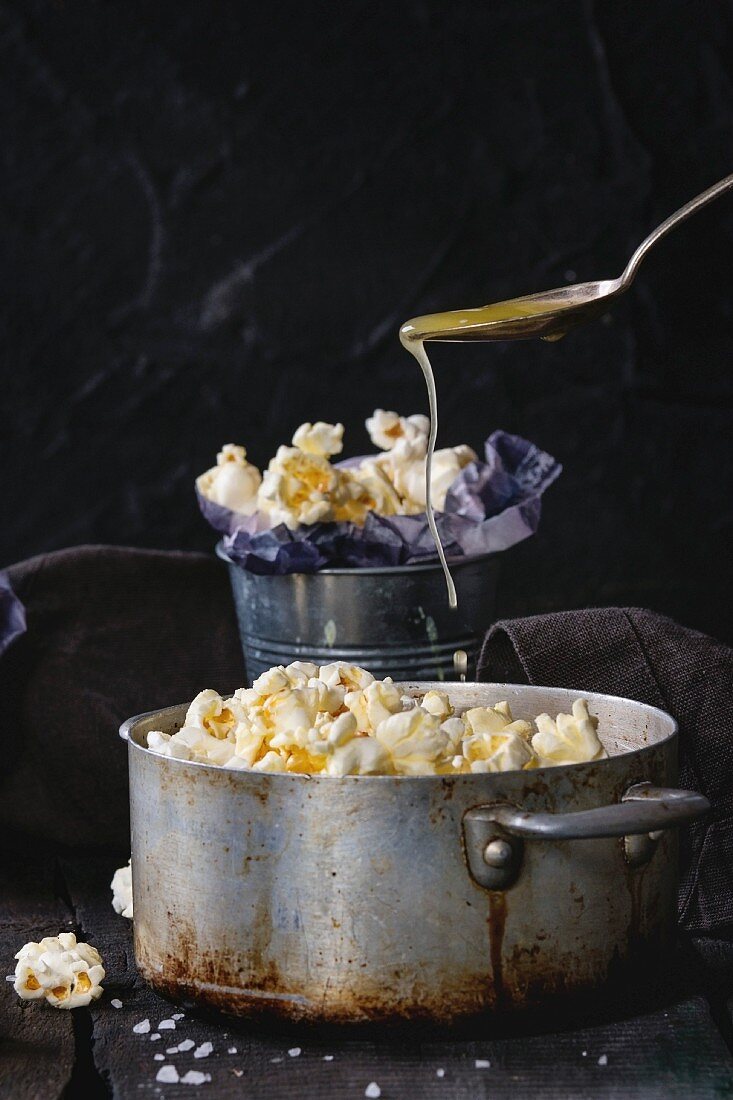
(498, 752)
(437, 703)
(233, 482)
(320, 439)
(66, 973)
(208, 712)
(387, 430)
(301, 487)
(296, 488)
(338, 720)
(569, 739)
(352, 677)
(377, 701)
(415, 742)
(121, 887)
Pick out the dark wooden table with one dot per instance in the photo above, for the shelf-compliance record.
(676, 1047)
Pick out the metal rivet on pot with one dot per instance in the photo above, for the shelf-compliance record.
(498, 853)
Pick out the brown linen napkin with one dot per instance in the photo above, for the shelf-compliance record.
(111, 632)
(645, 656)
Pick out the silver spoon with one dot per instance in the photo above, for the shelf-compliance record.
(551, 313)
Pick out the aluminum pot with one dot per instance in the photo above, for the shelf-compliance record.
(394, 620)
(376, 898)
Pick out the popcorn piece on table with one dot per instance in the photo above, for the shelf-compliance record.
(233, 483)
(121, 887)
(66, 973)
(569, 738)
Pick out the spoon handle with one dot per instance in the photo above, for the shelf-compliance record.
(680, 215)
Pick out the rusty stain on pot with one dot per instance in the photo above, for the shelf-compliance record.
(497, 924)
(350, 901)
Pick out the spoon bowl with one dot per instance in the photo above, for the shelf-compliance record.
(548, 314)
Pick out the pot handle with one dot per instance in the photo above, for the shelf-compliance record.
(494, 835)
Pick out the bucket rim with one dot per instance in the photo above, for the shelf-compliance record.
(410, 567)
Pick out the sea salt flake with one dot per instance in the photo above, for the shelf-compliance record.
(373, 1091)
(178, 1015)
(142, 1028)
(159, 1057)
(154, 1037)
(195, 1077)
(171, 1050)
(167, 1025)
(294, 1052)
(116, 1003)
(440, 1073)
(10, 977)
(238, 1072)
(483, 1063)
(203, 1051)
(167, 1075)
(232, 1050)
(276, 1060)
(603, 1060)
(187, 1044)
(328, 1057)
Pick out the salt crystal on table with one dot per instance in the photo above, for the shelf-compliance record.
(238, 1072)
(159, 1057)
(276, 1060)
(187, 1044)
(167, 1025)
(294, 1052)
(154, 1037)
(195, 1077)
(171, 1050)
(603, 1060)
(142, 1028)
(373, 1091)
(440, 1073)
(10, 977)
(116, 1003)
(167, 1075)
(203, 1051)
(483, 1063)
(232, 1050)
(328, 1057)
(178, 1015)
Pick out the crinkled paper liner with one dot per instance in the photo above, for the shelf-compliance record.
(12, 614)
(490, 506)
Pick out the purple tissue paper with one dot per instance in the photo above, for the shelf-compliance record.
(12, 614)
(490, 506)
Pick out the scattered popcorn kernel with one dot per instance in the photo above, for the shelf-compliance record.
(121, 886)
(66, 973)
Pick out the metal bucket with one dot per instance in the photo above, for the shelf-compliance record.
(377, 898)
(392, 621)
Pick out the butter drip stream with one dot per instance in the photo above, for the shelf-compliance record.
(461, 326)
(417, 348)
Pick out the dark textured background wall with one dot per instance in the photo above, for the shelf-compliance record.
(218, 214)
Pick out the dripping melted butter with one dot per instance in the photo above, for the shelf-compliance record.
(500, 321)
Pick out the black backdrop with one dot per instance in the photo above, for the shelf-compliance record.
(218, 214)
